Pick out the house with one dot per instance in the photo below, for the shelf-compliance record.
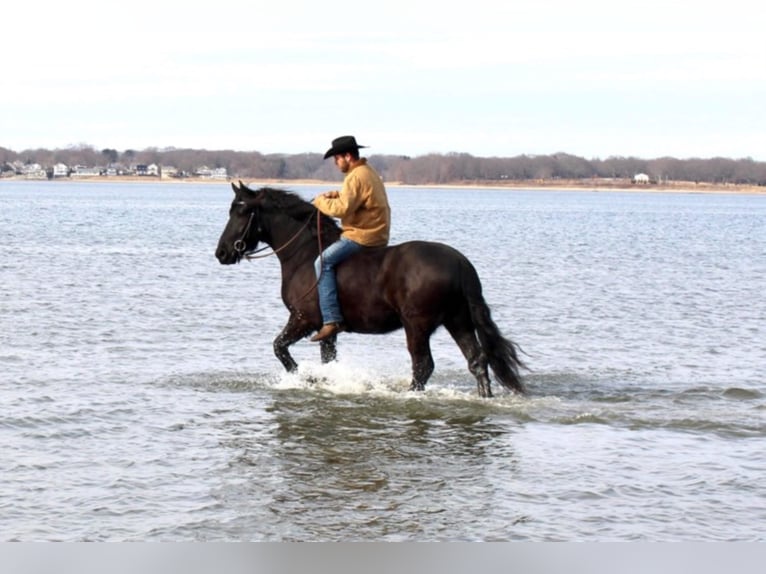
(85, 171)
(60, 170)
(167, 171)
(207, 173)
(641, 178)
(151, 169)
(33, 171)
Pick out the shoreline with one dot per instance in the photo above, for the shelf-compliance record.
(530, 185)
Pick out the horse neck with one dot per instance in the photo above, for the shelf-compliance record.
(293, 242)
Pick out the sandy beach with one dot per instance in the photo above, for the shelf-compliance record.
(590, 185)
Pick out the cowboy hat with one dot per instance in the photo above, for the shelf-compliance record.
(342, 145)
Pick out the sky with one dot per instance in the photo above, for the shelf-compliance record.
(491, 78)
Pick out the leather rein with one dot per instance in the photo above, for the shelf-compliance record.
(240, 245)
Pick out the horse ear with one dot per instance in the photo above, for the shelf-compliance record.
(251, 196)
(240, 187)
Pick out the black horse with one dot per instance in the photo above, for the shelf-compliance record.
(418, 285)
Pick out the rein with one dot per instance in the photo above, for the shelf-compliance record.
(240, 245)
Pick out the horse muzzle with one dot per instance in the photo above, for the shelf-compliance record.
(228, 256)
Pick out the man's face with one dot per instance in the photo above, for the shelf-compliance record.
(342, 162)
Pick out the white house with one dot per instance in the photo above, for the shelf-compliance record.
(85, 171)
(167, 171)
(641, 178)
(219, 173)
(60, 170)
(33, 171)
(206, 172)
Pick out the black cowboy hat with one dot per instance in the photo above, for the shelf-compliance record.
(341, 145)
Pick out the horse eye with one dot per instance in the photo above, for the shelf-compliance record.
(239, 207)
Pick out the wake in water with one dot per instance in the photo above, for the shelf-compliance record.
(447, 394)
(559, 398)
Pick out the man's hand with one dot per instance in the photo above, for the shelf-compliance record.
(331, 195)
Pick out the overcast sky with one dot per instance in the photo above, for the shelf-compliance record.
(592, 78)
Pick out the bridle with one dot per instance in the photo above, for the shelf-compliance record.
(240, 245)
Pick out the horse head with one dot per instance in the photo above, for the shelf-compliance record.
(244, 229)
(267, 215)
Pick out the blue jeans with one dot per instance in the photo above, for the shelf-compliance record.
(324, 265)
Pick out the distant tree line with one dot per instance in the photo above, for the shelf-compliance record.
(420, 170)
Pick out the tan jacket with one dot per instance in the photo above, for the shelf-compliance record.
(361, 205)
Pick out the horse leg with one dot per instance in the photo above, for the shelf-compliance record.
(465, 337)
(292, 332)
(327, 349)
(419, 346)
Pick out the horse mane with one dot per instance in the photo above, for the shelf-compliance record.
(297, 208)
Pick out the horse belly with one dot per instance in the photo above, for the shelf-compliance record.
(366, 311)
(362, 293)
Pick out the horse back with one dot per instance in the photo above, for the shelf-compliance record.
(380, 285)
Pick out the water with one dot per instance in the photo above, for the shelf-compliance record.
(142, 401)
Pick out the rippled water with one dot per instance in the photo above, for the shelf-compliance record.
(142, 401)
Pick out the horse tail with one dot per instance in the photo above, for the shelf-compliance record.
(502, 353)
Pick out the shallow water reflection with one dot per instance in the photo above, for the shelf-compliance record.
(360, 469)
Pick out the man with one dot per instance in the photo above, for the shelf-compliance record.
(365, 217)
